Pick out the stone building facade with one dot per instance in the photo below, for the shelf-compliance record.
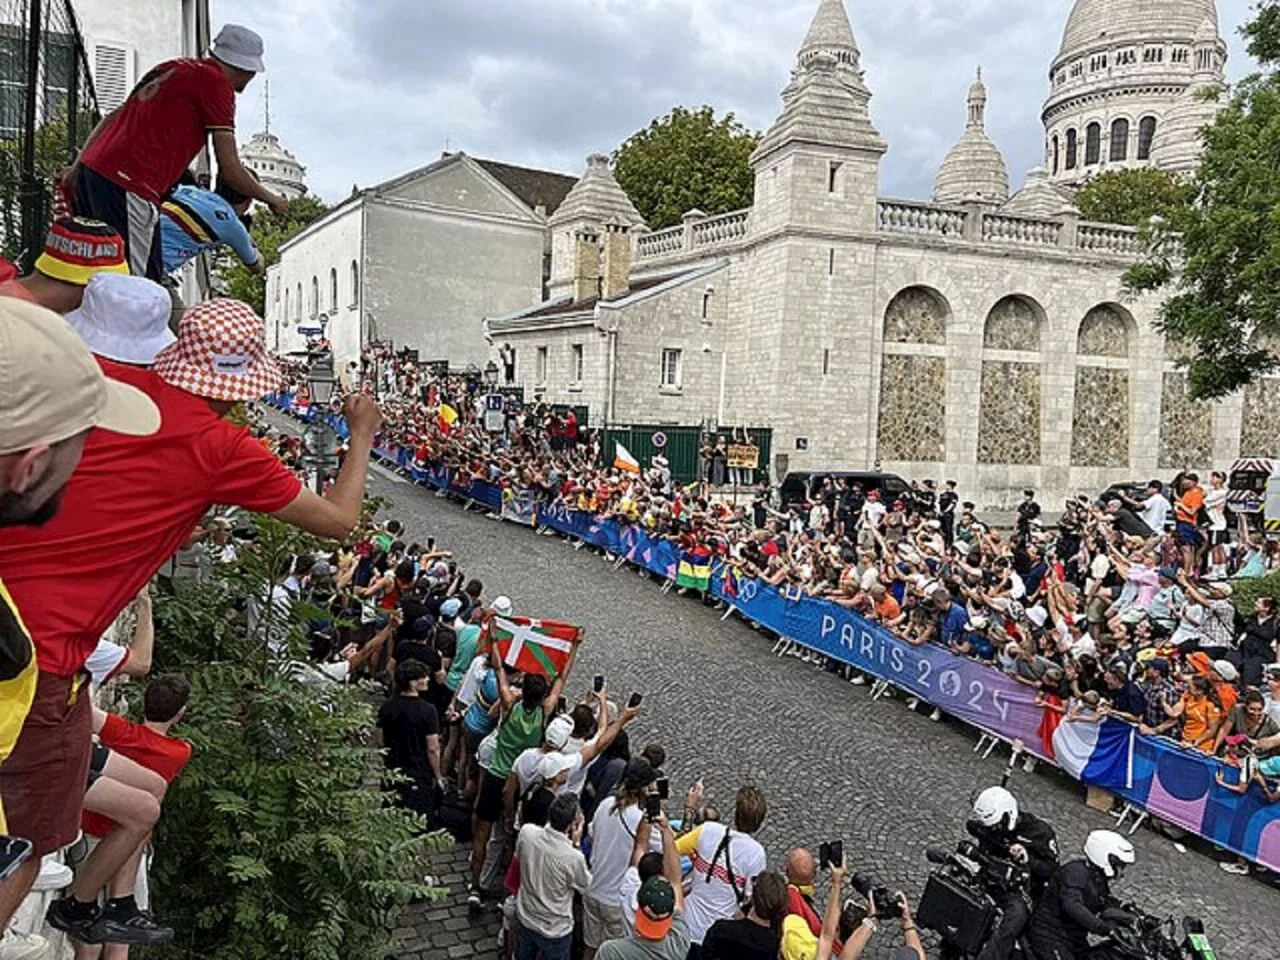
(983, 339)
(418, 261)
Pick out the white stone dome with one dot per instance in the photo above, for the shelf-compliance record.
(1179, 140)
(974, 168)
(1040, 198)
(1095, 21)
(276, 167)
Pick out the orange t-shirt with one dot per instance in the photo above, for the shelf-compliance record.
(1189, 505)
(1198, 715)
(888, 608)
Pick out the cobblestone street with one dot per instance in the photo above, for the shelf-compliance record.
(832, 763)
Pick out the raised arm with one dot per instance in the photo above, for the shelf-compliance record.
(144, 638)
(831, 919)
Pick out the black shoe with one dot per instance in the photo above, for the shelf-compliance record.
(61, 918)
(135, 926)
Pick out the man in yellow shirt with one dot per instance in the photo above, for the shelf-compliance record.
(52, 393)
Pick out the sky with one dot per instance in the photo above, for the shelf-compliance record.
(363, 90)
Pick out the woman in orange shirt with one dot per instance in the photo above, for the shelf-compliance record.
(1187, 511)
(1201, 714)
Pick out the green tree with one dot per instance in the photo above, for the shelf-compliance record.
(684, 161)
(1132, 196)
(273, 843)
(269, 232)
(1219, 252)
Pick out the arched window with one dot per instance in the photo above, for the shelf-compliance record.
(1146, 133)
(1092, 144)
(1055, 154)
(1010, 404)
(355, 284)
(286, 305)
(297, 304)
(1101, 420)
(315, 295)
(913, 377)
(1119, 140)
(333, 289)
(1071, 149)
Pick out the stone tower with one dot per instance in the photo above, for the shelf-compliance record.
(596, 199)
(819, 164)
(975, 168)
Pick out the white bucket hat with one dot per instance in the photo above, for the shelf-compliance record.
(240, 47)
(124, 318)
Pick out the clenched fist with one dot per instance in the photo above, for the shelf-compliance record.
(362, 413)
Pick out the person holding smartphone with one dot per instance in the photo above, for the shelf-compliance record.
(856, 944)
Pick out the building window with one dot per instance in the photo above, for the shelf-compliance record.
(355, 284)
(1180, 55)
(1054, 154)
(286, 306)
(1119, 140)
(826, 361)
(333, 289)
(315, 295)
(1153, 55)
(542, 365)
(1126, 57)
(1077, 69)
(276, 285)
(672, 375)
(833, 172)
(1146, 133)
(831, 262)
(706, 304)
(1071, 149)
(1092, 144)
(576, 362)
(298, 303)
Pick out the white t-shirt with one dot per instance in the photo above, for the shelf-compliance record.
(1154, 512)
(628, 894)
(713, 899)
(1215, 504)
(873, 512)
(471, 680)
(818, 516)
(106, 661)
(613, 837)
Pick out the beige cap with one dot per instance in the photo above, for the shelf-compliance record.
(51, 388)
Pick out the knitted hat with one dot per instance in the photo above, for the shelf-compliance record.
(77, 248)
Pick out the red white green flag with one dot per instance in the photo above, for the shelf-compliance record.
(533, 646)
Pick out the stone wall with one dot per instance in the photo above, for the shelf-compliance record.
(1186, 426)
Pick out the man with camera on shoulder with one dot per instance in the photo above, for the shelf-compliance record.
(880, 906)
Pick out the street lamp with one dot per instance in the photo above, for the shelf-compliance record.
(320, 378)
(490, 373)
(317, 439)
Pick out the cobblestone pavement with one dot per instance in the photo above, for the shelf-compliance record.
(832, 763)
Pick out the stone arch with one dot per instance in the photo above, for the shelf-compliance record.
(917, 314)
(911, 425)
(1105, 331)
(1260, 423)
(1101, 419)
(1010, 407)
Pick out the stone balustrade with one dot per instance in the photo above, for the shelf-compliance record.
(905, 216)
(651, 246)
(1005, 228)
(1108, 238)
(722, 229)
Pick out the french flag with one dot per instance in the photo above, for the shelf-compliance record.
(1098, 754)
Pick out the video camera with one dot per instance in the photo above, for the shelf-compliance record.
(882, 899)
(957, 903)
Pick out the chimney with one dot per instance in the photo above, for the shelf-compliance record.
(617, 259)
(586, 264)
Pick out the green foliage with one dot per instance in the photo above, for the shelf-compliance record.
(684, 161)
(269, 232)
(1132, 196)
(272, 844)
(52, 156)
(1220, 250)
(1246, 592)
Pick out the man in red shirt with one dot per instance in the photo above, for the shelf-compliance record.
(75, 251)
(137, 154)
(128, 507)
(150, 746)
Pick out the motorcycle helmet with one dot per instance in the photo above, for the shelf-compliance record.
(1109, 852)
(996, 807)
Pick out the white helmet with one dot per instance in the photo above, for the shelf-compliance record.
(1109, 852)
(996, 807)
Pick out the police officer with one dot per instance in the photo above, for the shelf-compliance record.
(1006, 833)
(1079, 892)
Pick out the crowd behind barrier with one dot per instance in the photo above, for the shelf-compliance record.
(1153, 774)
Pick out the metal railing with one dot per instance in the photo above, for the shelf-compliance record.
(47, 110)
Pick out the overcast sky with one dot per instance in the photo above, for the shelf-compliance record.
(362, 90)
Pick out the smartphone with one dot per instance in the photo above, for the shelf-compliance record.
(635, 700)
(653, 806)
(830, 853)
(14, 852)
(598, 684)
(664, 788)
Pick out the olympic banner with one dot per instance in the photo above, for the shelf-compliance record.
(1170, 781)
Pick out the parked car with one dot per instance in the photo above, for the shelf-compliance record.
(800, 487)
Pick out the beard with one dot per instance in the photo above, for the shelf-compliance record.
(15, 512)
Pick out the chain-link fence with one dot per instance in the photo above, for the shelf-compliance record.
(47, 110)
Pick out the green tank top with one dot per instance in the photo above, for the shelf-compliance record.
(520, 730)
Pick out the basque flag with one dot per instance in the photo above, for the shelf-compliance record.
(533, 646)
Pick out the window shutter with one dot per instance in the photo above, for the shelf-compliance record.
(113, 74)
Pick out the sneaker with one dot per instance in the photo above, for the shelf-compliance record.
(63, 920)
(1237, 867)
(913, 702)
(133, 926)
(22, 946)
(474, 900)
(858, 680)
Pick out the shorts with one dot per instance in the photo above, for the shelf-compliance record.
(97, 762)
(15, 701)
(135, 218)
(489, 799)
(1188, 535)
(44, 780)
(601, 922)
(1219, 537)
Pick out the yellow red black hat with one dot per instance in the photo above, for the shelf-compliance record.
(77, 249)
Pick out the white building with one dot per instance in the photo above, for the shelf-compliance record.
(975, 338)
(126, 38)
(277, 168)
(419, 260)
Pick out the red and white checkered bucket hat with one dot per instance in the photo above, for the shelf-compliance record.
(220, 354)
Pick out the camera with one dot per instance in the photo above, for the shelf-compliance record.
(884, 900)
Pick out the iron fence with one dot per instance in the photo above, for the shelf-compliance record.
(47, 110)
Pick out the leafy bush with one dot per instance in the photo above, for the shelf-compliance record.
(272, 844)
(1246, 592)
